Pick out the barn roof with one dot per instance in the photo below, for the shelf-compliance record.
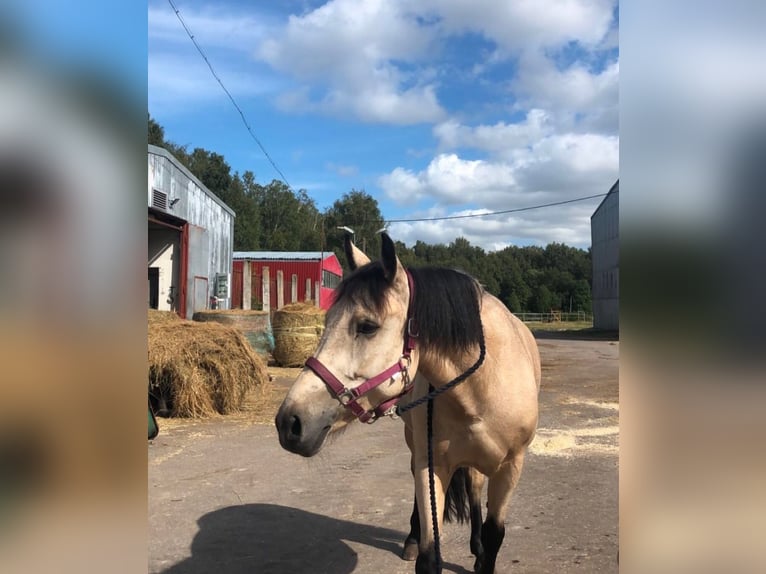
(284, 255)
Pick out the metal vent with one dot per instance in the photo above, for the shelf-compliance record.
(159, 199)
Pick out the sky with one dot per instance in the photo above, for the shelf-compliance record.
(434, 107)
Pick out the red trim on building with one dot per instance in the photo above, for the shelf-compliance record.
(184, 271)
(303, 269)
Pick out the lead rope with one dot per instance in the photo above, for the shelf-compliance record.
(432, 394)
(431, 486)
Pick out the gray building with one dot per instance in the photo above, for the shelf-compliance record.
(605, 254)
(191, 240)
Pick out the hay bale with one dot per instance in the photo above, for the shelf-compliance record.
(254, 325)
(297, 329)
(199, 369)
(155, 316)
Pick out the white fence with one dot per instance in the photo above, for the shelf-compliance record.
(555, 317)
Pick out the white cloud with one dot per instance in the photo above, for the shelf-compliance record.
(524, 25)
(568, 224)
(343, 55)
(576, 97)
(179, 77)
(562, 164)
(449, 180)
(211, 28)
(497, 138)
(529, 171)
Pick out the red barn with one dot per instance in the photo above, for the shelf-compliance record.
(273, 279)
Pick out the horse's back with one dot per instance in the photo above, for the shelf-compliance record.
(514, 377)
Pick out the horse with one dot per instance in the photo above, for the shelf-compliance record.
(392, 333)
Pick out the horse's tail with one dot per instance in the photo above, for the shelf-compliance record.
(456, 508)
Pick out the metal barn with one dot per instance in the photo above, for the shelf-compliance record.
(191, 240)
(272, 279)
(605, 254)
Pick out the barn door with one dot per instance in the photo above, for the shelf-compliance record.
(198, 267)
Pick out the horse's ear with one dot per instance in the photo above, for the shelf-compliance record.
(388, 257)
(354, 255)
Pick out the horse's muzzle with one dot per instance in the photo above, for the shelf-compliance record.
(297, 435)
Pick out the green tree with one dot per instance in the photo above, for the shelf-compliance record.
(359, 211)
(156, 133)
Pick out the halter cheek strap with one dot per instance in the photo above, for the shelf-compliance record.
(348, 397)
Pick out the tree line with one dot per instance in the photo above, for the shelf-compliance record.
(273, 217)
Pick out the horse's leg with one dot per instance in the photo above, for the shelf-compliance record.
(501, 487)
(474, 485)
(426, 561)
(411, 550)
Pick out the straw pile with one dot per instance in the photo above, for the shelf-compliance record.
(254, 325)
(199, 369)
(163, 317)
(297, 329)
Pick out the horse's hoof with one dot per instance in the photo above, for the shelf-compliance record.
(410, 552)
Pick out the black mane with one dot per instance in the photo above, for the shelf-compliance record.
(447, 303)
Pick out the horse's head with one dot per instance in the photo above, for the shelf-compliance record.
(363, 357)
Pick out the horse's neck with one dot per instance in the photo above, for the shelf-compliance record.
(440, 369)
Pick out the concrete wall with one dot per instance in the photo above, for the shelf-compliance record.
(211, 245)
(605, 240)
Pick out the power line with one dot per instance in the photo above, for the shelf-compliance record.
(515, 210)
(233, 101)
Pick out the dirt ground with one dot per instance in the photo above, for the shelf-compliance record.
(224, 498)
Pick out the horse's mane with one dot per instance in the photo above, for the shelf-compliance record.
(447, 303)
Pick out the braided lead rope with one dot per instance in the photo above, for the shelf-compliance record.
(453, 383)
(431, 486)
(429, 398)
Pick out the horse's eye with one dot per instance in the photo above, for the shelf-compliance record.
(366, 327)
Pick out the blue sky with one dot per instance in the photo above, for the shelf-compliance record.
(435, 107)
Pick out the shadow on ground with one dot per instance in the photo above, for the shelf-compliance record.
(272, 539)
(577, 334)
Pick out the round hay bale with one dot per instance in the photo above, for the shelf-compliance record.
(155, 316)
(297, 329)
(254, 325)
(199, 369)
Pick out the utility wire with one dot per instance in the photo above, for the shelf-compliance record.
(233, 101)
(515, 210)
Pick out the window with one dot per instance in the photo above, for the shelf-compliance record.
(330, 279)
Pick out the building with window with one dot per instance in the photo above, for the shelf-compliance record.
(605, 255)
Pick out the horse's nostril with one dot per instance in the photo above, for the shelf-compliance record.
(295, 426)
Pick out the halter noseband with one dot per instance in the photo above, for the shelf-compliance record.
(349, 397)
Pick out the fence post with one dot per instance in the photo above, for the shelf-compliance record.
(266, 290)
(280, 289)
(247, 285)
(316, 292)
(294, 288)
(308, 289)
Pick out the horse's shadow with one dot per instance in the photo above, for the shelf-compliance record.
(272, 539)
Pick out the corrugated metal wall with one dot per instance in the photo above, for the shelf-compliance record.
(211, 249)
(303, 270)
(605, 241)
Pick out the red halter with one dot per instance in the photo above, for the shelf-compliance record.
(348, 397)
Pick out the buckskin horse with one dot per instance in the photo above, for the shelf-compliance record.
(432, 336)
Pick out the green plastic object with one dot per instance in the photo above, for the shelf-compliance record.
(153, 428)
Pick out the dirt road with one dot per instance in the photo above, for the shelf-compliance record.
(224, 498)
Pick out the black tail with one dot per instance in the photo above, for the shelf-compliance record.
(456, 501)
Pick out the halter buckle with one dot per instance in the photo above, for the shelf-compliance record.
(346, 396)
